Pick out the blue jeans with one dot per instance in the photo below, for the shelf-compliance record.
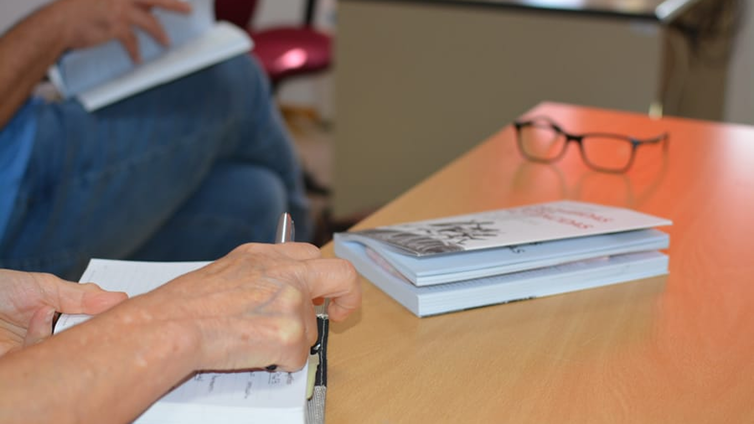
(185, 171)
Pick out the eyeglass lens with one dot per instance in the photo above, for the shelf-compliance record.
(608, 153)
(542, 142)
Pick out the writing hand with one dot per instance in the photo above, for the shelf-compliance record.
(92, 22)
(28, 302)
(253, 307)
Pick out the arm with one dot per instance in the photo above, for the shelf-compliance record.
(249, 309)
(33, 45)
(28, 50)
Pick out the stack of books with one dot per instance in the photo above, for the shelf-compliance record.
(444, 265)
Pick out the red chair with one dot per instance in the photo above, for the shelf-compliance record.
(286, 51)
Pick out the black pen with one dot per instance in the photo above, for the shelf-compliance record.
(284, 233)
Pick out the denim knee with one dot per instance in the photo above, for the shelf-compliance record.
(236, 204)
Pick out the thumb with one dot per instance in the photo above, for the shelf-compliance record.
(40, 326)
(96, 300)
(74, 298)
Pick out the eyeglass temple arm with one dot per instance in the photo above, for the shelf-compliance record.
(662, 138)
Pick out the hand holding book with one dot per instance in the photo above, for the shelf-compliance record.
(98, 71)
(93, 22)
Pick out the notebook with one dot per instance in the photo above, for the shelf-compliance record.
(235, 397)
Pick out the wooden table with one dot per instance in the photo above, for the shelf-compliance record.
(678, 348)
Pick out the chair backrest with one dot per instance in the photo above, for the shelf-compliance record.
(241, 12)
(238, 12)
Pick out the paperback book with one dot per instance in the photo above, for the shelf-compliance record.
(449, 264)
(104, 74)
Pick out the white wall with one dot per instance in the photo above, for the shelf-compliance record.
(739, 104)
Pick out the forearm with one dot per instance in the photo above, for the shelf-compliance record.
(27, 51)
(247, 310)
(108, 369)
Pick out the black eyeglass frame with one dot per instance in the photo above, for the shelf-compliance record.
(578, 139)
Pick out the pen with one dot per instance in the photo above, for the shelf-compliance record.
(284, 233)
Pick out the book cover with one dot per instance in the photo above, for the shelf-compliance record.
(509, 227)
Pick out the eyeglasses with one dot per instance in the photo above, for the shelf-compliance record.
(542, 140)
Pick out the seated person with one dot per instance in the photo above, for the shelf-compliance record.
(248, 310)
(184, 171)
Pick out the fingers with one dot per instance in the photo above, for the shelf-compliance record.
(287, 251)
(74, 298)
(286, 343)
(141, 16)
(311, 332)
(299, 332)
(172, 5)
(336, 279)
(299, 251)
(40, 326)
(340, 308)
(149, 23)
(99, 301)
(128, 40)
(294, 354)
(333, 278)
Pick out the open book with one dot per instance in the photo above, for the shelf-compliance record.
(461, 262)
(236, 397)
(102, 75)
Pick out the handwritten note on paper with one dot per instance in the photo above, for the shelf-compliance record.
(261, 389)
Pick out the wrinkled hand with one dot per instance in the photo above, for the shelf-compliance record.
(254, 307)
(28, 302)
(91, 22)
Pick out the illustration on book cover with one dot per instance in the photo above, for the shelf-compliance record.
(441, 237)
(508, 227)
